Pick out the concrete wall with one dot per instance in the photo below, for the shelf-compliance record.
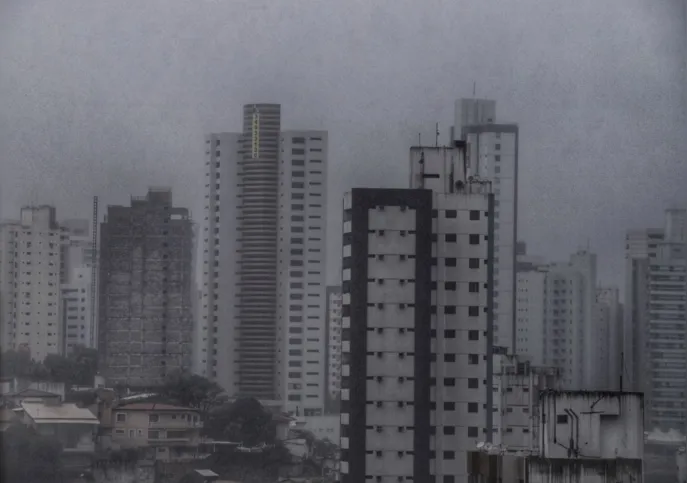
(602, 425)
(587, 471)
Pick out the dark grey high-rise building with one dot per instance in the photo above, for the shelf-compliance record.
(146, 274)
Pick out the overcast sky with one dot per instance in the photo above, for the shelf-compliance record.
(108, 97)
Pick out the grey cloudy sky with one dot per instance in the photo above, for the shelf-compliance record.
(108, 97)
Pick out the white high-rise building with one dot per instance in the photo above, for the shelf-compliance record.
(262, 329)
(569, 341)
(416, 397)
(30, 258)
(492, 154)
(301, 322)
(76, 287)
(531, 309)
(656, 320)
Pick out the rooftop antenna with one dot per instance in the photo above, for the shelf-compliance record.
(474, 90)
(436, 139)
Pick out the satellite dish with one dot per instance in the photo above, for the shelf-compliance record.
(480, 445)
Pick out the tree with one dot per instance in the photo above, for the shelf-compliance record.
(85, 365)
(77, 369)
(28, 457)
(191, 390)
(244, 421)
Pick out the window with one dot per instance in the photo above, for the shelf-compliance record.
(474, 215)
(473, 383)
(473, 359)
(473, 311)
(449, 358)
(472, 407)
(451, 237)
(473, 287)
(450, 262)
(153, 418)
(451, 214)
(562, 419)
(472, 431)
(473, 263)
(450, 286)
(121, 417)
(450, 334)
(298, 140)
(449, 406)
(449, 430)
(449, 381)
(473, 335)
(474, 239)
(449, 479)
(449, 455)
(449, 309)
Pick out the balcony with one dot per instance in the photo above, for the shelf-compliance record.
(175, 424)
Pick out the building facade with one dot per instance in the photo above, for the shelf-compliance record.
(656, 320)
(570, 293)
(30, 307)
(146, 322)
(609, 326)
(492, 154)
(334, 319)
(301, 318)
(530, 309)
(78, 257)
(415, 397)
(262, 330)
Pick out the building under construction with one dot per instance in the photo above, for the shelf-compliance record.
(146, 275)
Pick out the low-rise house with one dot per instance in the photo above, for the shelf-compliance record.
(173, 431)
(18, 384)
(15, 399)
(75, 428)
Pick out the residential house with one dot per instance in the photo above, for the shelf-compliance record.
(74, 427)
(173, 431)
(15, 399)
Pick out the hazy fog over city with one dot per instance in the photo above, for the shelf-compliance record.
(318, 241)
(110, 98)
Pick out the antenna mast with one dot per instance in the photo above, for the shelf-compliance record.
(436, 138)
(94, 271)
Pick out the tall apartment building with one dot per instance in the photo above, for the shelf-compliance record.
(569, 341)
(146, 277)
(416, 397)
(301, 320)
(492, 154)
(262, 326)
(76, 284)
(609, 333)
(530, 308)
(656, 320)
(334, 319)
(30, 258)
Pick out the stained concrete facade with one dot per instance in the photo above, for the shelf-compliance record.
(146, 275)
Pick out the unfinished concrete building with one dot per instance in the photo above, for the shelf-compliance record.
(145, 305)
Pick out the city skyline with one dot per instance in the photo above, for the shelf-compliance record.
(101, 132)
